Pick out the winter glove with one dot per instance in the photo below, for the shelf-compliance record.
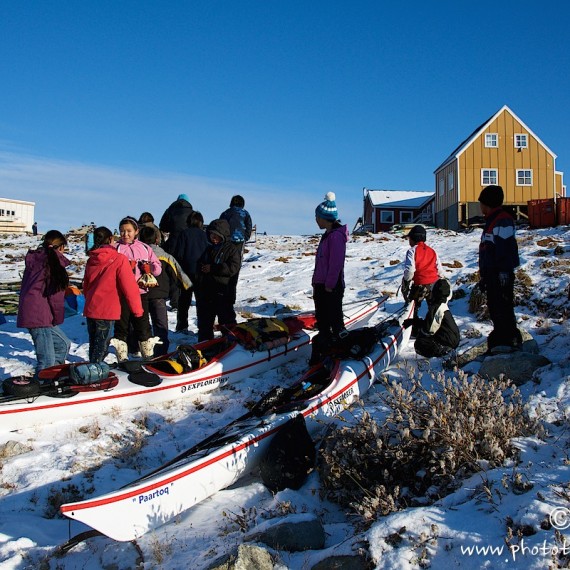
(406, 290)
(408, 323)
(503, 279)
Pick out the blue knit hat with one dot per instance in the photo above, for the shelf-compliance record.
(183, 197)
(327, 209)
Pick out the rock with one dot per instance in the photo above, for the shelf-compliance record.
(344, 562)
(293, 536)
(518, 366)
(12, 448)
(246, 557)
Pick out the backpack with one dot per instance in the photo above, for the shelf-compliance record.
(186, 359)
(73, 301)
(261, 334)
(356, 344)
(290, 457)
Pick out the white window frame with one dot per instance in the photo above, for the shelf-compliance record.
(383, 216)
(488, 172)
(491, 140)
(522, 177)
(441, 185)
(521, 140)
(450, 181)
(409, 213)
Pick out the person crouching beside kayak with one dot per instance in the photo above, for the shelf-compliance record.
(108, 279)
(145, 268)
(422, 268)
(41, 305)
(438, 333)
(328, 277)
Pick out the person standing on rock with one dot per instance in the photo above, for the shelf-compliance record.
(498, 258)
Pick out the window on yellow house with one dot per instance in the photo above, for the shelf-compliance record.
(489, 176)
(524, 177)
(521, 141)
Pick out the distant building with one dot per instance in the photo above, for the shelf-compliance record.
(503, 151)
(16, 216)
(384, 208)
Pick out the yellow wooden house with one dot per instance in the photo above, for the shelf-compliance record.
(503, 151)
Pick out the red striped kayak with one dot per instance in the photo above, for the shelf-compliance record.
(322, 393)
(227, 362)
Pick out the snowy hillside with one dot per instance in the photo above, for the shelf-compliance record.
(86, 457)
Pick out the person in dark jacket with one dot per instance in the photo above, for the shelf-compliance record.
(216, 266)
(438, 333)
(190, 245)
(498, 258)
(240, 230)
(171, 273)
(41, 305)
(174, 220)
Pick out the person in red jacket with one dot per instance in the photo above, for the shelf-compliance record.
(422, 269)
(108, 277)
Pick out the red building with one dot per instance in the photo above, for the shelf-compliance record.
(384, 208)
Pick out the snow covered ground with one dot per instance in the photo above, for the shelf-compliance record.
(467, 529)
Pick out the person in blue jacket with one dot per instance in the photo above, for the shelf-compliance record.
(240, 231)
(498, 258)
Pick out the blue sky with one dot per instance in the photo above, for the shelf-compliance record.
(112, 108)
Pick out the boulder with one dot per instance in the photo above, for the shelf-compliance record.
(12, 448)
(518, 366)
(292, 536)
(245, 557)
(344, 562)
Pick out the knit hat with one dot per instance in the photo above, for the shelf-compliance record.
(441, 291)
(492, 196)
(183, 197)
(417, 233)
(327, 209)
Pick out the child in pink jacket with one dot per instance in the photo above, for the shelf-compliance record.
(144, 265)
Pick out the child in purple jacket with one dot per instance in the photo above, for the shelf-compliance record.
(328, 277)
(41, 306)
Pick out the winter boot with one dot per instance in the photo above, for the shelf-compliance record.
(147, 347)
(121, 349)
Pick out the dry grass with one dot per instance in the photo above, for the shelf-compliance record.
(430, 441)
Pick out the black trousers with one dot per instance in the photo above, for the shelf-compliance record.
(429, 347)
(209, 305)
(159, 318)
(140, 325)
(328, 309)
(330, 319)
(184, 303)
(500, 302)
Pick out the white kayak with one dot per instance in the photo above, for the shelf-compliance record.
(227, 361)
(322, 393)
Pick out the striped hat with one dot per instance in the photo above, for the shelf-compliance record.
(327, 209)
